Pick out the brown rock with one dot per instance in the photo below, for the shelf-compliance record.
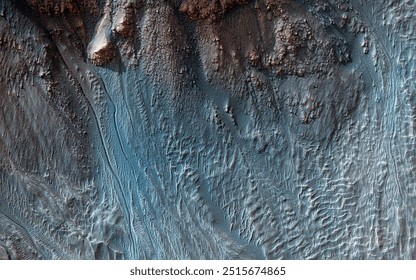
(103, 55)
(211, 9)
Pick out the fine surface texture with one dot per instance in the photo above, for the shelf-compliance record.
(211, 129)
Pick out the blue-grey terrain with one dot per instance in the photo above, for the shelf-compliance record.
(228, 129)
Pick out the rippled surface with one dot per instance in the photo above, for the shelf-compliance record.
(207, 129)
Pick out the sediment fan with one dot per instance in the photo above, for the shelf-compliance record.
(207, 129)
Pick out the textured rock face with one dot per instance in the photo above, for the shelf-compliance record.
(207, 129)
(207, 9)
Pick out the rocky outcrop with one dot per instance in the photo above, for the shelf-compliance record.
(207, 129)
(208, 9)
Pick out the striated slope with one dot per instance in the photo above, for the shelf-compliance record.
(207, 129)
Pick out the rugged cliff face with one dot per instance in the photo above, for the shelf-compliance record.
(207, 129)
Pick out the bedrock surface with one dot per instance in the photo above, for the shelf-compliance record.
(231, 129)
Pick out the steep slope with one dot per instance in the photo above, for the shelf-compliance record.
(227, 129)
